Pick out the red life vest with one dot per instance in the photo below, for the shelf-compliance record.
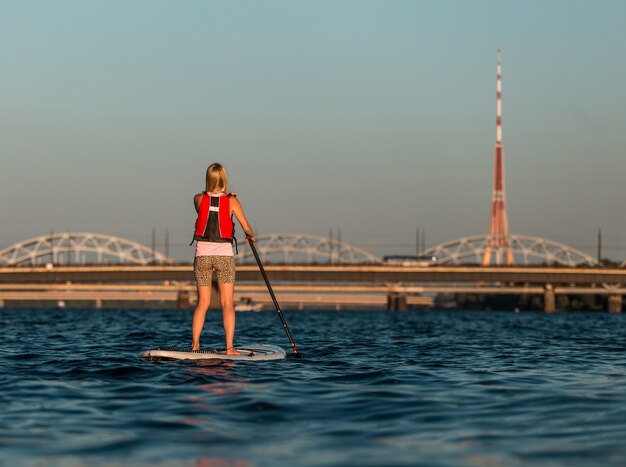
(214, 222)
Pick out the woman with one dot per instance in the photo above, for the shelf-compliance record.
(214, 236)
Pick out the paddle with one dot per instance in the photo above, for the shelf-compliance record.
(269, 288)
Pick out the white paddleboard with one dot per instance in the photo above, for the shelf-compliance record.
(249, 352)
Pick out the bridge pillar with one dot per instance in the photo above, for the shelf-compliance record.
(615, 303)
(549, 302)
(183, 300)
(1, 303)
(98, 303)
(397, 302)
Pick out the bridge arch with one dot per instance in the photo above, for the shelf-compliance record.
(79, 248)
(290, 248)
(526, 250)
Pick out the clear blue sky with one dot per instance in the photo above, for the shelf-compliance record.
(373, 117)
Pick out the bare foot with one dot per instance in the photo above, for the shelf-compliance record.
(233, 351)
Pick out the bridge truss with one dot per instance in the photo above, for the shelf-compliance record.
(92, 248)
(299, 248)
(526, 251)
(79, 248)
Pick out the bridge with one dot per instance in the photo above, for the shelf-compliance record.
(526, 250)
(398, 287)
(287, 248)
(335, 272)
(79, 248)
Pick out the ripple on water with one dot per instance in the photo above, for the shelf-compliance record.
(374, 388)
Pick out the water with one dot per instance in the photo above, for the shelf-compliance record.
(374, 388)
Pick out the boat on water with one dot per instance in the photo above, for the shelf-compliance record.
(246, 304)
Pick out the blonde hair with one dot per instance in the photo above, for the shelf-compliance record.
(216, 178)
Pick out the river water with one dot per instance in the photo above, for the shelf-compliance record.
(375, 388)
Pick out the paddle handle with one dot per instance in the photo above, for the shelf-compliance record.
(269, 288)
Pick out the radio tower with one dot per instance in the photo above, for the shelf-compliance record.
(498, 237)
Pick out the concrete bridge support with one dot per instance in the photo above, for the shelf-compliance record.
(186, 299)
(549, 302)
(183, 300)
(397, 302)
(615, 303)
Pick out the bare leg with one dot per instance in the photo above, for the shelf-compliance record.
(227, 292)
(204, 298)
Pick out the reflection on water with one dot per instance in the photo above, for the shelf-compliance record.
(374, 388)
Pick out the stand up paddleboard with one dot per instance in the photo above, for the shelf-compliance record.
(250, 352)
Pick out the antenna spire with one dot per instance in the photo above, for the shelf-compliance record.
(498, 237)
(499, 99)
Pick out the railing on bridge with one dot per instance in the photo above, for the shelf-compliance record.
(399, 284)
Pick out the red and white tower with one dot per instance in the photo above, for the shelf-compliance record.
(498, 244)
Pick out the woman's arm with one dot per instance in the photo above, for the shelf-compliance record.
(196, 201)
(241, 217)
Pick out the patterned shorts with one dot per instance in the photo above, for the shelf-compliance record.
(224, 267)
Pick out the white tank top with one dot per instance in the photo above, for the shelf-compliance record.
(214, 249)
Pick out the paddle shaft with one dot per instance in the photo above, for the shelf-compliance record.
(269, 288)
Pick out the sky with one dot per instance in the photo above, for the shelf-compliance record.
(373, 117)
